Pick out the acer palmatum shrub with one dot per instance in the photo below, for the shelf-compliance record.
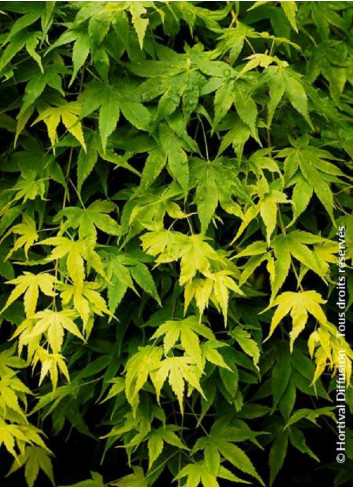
(176, 199)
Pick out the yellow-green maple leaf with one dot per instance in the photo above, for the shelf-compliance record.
(330, 350)
(293, 245)
(195, 257)
(28, 235)
(163, 242)
(52, 364)
(75, 253)
(196, 473)
(267, 207)
(28, 187)
(87, 220)
(214, 287)
(135, 479)
(68, 114)
(209, 352)
(262, 60)
(158, 437)
(298, 305)
(34, 459)
(86, 300)
(178, 371)
(195, 253)
(186, 331)
(201, 472)
(248, 345)
(15, 435)
(23, 331)
(12, 390)
(138, 369)
(8, 361)
(52, 324)
(29, 284)
(12, 436)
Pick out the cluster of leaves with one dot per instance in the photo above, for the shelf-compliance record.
(174, 188)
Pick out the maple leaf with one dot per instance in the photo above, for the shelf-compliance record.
(301, 196)
(75, 253)
(290, 10)
(22, 331)
(214, 287)
(86, 300)
(121, 272)
(11, 391)
(201, 472)
(298, 305)
(239, 93)
(195, 253)
(136, 479)
(52, 364)
(19, 37)
(151, 207)
(34, 459)
(68, 114)
(29, 284)
(294, 245)
(209, 350)
(95, 481)
(258, 253)
(140, 24)
(314, 166)
(195, 257)
(173, 147)
(311, 415)
(247, 344)
(12, 436)
(154, 164)
(52, 324)
(119, 280)
(259, 161)
(28, 235)
(111, 100)
(221, 441)
(196, 473)
(330, 350)
(257, 60)
(159, 437)
(232, 40)
(267, 207)
(186, 331)
(138, 368)
(86, 161)
(214, 185)
(282, 79)
(89, 219)
(330, 59)
(80, 52)
(177, 370)
(8, 362)
(164, 242)
(15, 435)
(29, 186)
